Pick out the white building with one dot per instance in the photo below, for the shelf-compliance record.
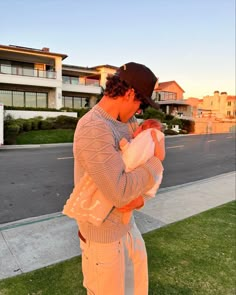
(37, 78)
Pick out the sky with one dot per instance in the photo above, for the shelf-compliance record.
(189, 41)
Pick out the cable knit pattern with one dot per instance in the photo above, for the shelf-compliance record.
(96, 151)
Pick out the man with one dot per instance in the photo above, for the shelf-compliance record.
(114, 259)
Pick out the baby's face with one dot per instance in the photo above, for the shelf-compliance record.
(149, 123)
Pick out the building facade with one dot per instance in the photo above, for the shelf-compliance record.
(169, 95)
(219, 105)
(37, 78)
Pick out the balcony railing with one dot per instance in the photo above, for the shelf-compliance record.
(80, 81)
(30, 72)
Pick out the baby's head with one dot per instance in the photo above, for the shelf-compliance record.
(149, 123)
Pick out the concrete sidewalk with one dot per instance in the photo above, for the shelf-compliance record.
(34, 243)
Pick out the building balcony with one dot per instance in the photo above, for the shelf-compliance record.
(80, 85)
(30, 72)
(28, 76)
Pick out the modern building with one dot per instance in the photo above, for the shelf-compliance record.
(170, 97)
(219, 105)
(37, 78)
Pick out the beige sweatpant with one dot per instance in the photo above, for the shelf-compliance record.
(118, 268)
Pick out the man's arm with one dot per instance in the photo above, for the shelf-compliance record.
(95, 149)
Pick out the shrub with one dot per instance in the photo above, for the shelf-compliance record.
(11, 131)
(170, 132)
(151, 113)
(47, 124)
(65, 122)
(36, 123)
(183, 131)
(176, 121)
(188, 125)
(20, 123)
(27, 125)
(169, 117)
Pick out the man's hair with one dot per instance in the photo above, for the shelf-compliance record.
(115, 87)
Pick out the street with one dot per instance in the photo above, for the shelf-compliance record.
(37, 181)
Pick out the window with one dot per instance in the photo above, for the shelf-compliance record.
(228, 113)
(30, 99)
(168, 95)
(75, 102)
(6, 97)
(229, 103)
(24, 99)
(18, 98)
(42, 100)
(68, 101)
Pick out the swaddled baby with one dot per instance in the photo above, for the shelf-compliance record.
(87, 204)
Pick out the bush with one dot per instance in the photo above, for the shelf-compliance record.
(47, 124)
(151, 113)
(176, 121)
(169, 117)
(170, 132)
(183, 131)
(11, 131)
(65, 122)
(188, 125)
(27, 125)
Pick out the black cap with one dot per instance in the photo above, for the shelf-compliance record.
(141, 79)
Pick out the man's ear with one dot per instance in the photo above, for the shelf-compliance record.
(129, 93)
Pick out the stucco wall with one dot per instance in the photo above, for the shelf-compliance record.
(31, 114)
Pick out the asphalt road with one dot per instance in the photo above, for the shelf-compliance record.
(38, 181)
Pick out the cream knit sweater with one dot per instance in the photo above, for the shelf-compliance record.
(96, 151)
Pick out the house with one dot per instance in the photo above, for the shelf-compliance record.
(219, 106)
(169, 95)
(30, 77)
(37, 78)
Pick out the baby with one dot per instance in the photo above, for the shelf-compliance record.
(87, 204)
(138, 151)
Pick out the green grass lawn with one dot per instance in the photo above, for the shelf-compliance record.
(193, 256)
(45, 136)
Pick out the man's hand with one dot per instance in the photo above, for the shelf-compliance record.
(159, 150)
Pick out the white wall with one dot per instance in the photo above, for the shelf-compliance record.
(1, 124)
(31, 114)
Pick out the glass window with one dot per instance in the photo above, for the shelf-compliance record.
(6, 97)
(5, 69)
(28, 72)
(68, 102)
(229, 103)
(18, 98)
(30, 99)
(77, 102)
(84, 102)
(74, 80)
(65, 79)
(42, 100)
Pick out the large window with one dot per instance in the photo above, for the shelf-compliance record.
(75, 102)
(167, 95)
(24, 99)
(6, 97)
(18, 98)
(30, 99)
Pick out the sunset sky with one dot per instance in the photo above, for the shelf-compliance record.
(189, 41)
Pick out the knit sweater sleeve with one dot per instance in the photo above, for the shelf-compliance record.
(96, 151)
